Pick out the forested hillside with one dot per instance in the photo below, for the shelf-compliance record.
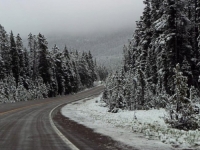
(105, 46)
(36, 72)
(161, 63)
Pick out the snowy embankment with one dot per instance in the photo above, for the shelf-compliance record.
(140, 129)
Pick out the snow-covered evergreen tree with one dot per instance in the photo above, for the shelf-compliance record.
(181, 111)
(37, 72)
(165, 35)
(15, 59)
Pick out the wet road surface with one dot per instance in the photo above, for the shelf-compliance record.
(26, 125)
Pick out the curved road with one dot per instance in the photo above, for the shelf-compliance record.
(26, 125)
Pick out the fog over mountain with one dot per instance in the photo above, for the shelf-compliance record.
(102, 26)
(107, 48)
(68, 16)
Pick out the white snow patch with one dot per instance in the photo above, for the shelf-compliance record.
(97, 83)
(145, 130)
(120, 126)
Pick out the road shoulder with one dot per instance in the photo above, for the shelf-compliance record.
(83, 137)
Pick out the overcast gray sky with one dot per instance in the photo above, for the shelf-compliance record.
(68, 16)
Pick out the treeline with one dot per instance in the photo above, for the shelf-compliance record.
(36, 72)
(161, 63)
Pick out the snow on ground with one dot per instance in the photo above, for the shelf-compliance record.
(141, 129)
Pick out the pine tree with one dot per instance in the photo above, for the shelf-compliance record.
(92, 66)
(59, 64)
(15, 59)
(2, 70)
(46, 66)
(33, 56)
(77, 84)
(37, 73)
(43, 64)
(5, 51)
(145, 37)
(181, 112)
(84, 72)
(102, 72)
(19, 47)
(186, 68)
(164, 36)
(26, 62)
(66, 52)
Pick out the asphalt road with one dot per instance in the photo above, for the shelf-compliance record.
(26, 125)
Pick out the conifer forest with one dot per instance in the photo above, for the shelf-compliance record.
(37, 72)
(87, 75)
(161, 64)
(160, 69)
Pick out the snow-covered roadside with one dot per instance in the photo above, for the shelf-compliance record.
(141, 129)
